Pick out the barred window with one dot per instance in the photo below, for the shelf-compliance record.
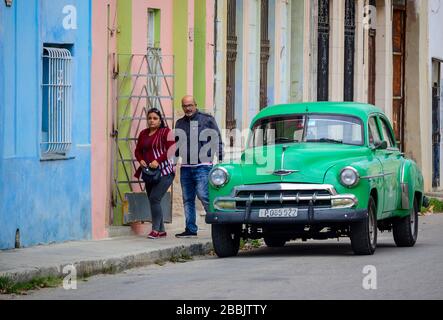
(57, 101)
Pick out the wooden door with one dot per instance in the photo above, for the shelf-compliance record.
(398, 44)
(265, 46)
(230, 67)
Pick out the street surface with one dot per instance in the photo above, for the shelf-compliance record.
(312, 270)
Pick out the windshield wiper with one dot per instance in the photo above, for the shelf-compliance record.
(326, 140)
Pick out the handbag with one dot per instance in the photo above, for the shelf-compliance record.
(151, 176)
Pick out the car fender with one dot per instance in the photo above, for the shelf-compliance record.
(369, 169)
(411, 181)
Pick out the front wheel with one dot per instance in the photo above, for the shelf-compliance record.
(364, 233)
(405, 230)
(226, 240)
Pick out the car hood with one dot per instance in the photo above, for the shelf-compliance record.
(308, 161)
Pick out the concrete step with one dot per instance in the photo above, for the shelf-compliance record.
(117, 232)
(435, 195)
(438, 194)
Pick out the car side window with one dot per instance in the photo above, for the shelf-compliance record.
(387, 133)
(374, 134)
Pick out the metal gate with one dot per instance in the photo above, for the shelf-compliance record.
(349, 50)
(230, 66)
(144, 82)
(323, 51)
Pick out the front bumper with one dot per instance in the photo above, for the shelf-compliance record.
(308, 216)
(316, 203)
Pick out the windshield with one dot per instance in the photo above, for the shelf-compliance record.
(316, 128)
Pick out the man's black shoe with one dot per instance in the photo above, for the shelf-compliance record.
(186, 234)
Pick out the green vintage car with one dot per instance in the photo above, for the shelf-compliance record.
(316, 171)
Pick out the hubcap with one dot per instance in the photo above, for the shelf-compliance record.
(413, 223)
(371, 228)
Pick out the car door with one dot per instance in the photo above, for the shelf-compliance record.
(391, 160)
(374, 137)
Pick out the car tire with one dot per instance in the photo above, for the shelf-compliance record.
(364, 233)
(405, 230)
(273, 242)
(226, 240)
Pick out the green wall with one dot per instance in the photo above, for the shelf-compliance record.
(124, 49)
(180, 45)
(200, 53)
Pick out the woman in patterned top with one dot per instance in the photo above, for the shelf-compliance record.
(156, 149)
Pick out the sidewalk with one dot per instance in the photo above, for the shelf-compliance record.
(96, 257)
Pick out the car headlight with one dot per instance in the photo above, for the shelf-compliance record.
(219, 177)
(349, 177)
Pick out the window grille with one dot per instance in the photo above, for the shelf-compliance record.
(57, 101)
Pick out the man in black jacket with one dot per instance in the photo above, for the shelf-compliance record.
(198, 141)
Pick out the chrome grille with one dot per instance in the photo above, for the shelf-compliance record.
(283, 198)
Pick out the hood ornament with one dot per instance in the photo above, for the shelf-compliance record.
(284, 172)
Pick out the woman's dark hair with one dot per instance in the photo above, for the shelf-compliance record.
(157, 112)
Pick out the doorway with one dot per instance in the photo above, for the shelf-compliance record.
(399, 54)
(436, 131)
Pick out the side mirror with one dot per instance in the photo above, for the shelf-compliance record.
(381, 145)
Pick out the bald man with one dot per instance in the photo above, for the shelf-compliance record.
(199, 140)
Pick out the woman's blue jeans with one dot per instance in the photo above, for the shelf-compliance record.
(194, 182)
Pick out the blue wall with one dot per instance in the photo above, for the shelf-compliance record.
(48, 201)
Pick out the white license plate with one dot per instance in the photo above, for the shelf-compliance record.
(278, 213)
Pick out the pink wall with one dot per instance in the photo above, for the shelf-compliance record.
(102, 91)
(140, 36)
(101, 117)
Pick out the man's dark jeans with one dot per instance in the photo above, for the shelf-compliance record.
(194, 182)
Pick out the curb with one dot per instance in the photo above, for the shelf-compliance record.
(110, 265)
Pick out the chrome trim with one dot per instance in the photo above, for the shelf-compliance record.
(227, 177)
(282, 165)
(284, 187)
(405, 205)
(314, 197)
(373, 177)
(357, 174)
(382, 175)
(283, 172)
(403, 167)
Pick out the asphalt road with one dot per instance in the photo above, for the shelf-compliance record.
(312, 270)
